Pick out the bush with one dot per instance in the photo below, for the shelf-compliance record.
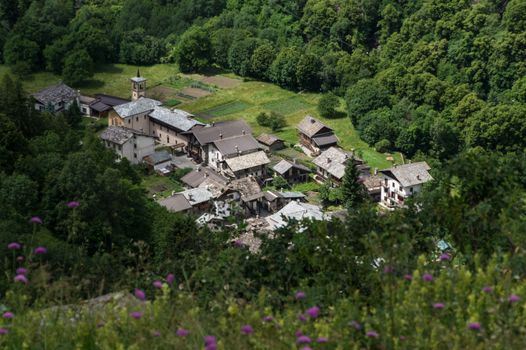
(382, 146)
(279, 182)
(275, 121)
(328, 104)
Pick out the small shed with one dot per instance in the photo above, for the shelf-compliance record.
(293, 172)
(270, 143)
(160, 162)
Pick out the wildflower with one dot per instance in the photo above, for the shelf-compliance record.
(298, 333)
(40, 250)
(355, 325)
(136, 314)
(313, 312)
(474, 326)
(35, 220)
(170, 279)
(21, 279)
(238, 243)
(20, 258)
(408, 277)
(181, 332)
(210, 342)
(427, 277)
(389, 269)
(73, 204)
(14, 246)
(8, 315)
(157, 284)
(212, 346)
(438, 306)
(514, 298)
(21, 271)
(322, 340)
(300, 295)
(302, 318)
(303, 339)
(268, 319)
(487, 289)
(139, 294)
(445, 257)
(3, 331)
(156, 333)
(306, 348)
(372, 334)
(247, 329)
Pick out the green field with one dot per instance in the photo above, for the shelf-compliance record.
(245, 101)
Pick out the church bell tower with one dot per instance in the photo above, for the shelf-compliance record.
(138, 86)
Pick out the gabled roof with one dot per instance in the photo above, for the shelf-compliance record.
(247, 186)
(176, 118)
(268, 139)
(219, 130)
(247, 161)
(197, 176)
(111, 100)
(86, 99)
(283, 166)
(292, 195)
(310, 126)
(409, 174)
(296, 211)
(158, 157)
(215, 187)
(175, 203)
(197, 195)
(333, 160)
(139, 106)
(236, 144)
(119, 134)
(55, 93)
(325, 140)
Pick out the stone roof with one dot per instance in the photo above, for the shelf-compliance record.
(138, 79)
(197, 176)
(268, 139)
(247, 161)
(410, 174)
(175, 203)
(247, 186)
(197, 195)
(283, 166)
(118, 134)
(158, 157)
(236, 144)
(226, 129)
(139, 106)
(333, 160)
(55, 93)
(296, 211)
(325, 140)
(292, 195)
(111, 100)
(310, 126)
(86, 99)
(215, 187)
(176, 118)
(372, 182)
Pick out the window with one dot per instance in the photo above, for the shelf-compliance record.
(129, 121)
(136, 119)
(120, 148)
(167, 138)
(135, 155)
(393, 184)
(145, 117)
(135, 145)
(411, 189)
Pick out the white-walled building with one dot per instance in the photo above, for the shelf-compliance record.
(402, 181)
(128, 143)
(56, 98)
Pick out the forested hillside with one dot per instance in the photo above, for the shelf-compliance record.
(418, 76)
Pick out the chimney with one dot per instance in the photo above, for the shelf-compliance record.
(213, 123)
(190, 197)
(173, 193)
(221, 136)
(418, 177)
(243, 132)
(294, 161)
(198, 169)
(312, 120)
(375, 171)
(206, 174)
(329, 160)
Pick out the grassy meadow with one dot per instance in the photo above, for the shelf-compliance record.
(244, 100)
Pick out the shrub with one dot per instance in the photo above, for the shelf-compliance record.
(383, 146)
(328, 104)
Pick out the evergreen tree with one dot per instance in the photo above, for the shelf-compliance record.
(353, 191)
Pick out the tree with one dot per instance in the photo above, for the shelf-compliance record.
(515, 16)
(273, 120)
(283, 69)
(307, 72)
(194, 50)
(279, 182)
(262, 59)
(78, 67)
(352, 189)
(365, 96)
(18, 50)
(328, 104)
(240, 54)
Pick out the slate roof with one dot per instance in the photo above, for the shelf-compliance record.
(326, 140)
(197, 195)
(215, 187)
(55, 93)
(158, 157)
(118, 134)
(247, 186)
(292, 195)
(138, 79)
(175, 203)
(236, 144)
(310, 126)
(136, 107)
(268, 139)
(99, 107)
(86, 99)
(111, 100)
(333, 160)
(283, 166)
(247, 161)
(197, 176)
(410, 174)
(176, 118)
(373, 182)
(296, 211)
(224, 129)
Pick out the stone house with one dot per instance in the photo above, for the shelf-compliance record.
(315, 136)
(293, 172)
(331, 163)
(270, 143)
(56, 98)
(128, 143)
(401, 182)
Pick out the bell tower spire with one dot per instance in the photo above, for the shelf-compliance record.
(138, 86)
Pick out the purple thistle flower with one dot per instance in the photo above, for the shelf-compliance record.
(139, 294)
(36, 220)
(303, 339)
(8, 315)
(322, 340)
(474, 326)
(300, 295)
(514, 298)
(156, 333)
(408, 277)
(427, 277)
(302, 318)
(306, 348)
(438, 306)
(298, 333)
(238, 243)
(21, 271)
(157, 284)
(268, 319)
(313, 312)
(181, 332)
(247, 329)
(3, 331)
(389, 269)
(20, 258)
(14, 246)
(136, 315)
(211, 346)
(73, 204)
(372, 334)
(21, 279)
(356, 325)
(40, 250)
(210, 339)
(170, 279)
(487, 289)
(444, 257)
